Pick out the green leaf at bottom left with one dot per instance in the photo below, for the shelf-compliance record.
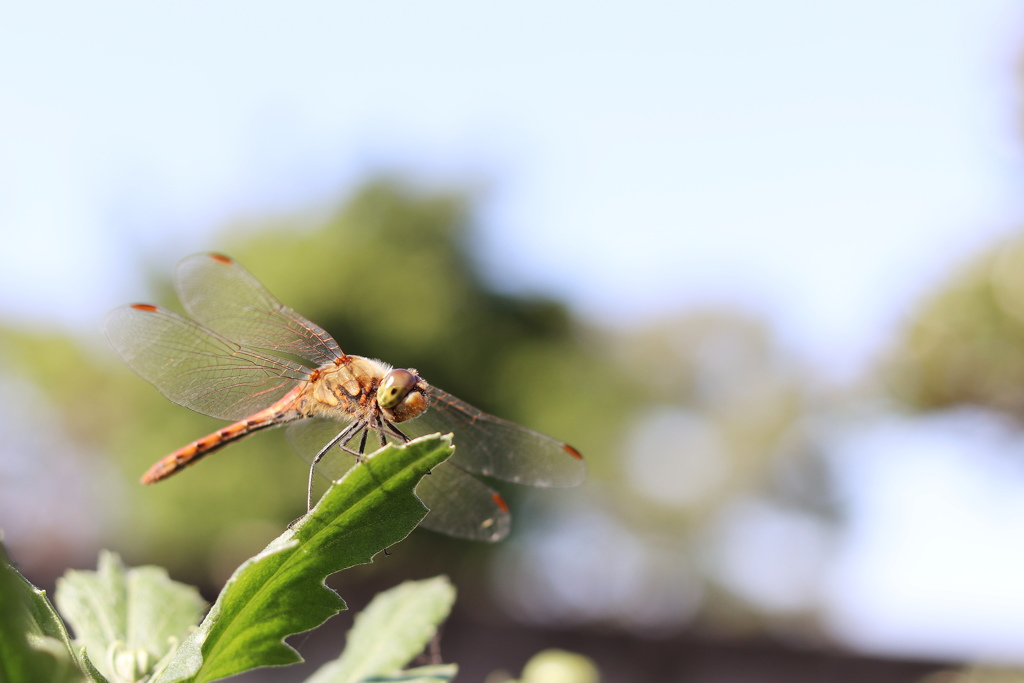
(34, 644)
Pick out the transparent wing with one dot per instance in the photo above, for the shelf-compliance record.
(196, 368)
(488, 445)
(225, 297)
(460, 505)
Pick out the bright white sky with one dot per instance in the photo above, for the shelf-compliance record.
(822, 164)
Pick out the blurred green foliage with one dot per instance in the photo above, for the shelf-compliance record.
(965, 344)
(733, 382)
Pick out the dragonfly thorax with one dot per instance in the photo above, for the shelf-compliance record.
(363, 388)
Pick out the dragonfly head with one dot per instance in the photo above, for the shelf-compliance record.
(402, 395)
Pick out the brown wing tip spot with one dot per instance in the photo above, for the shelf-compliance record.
(572, 451)
(500, 502)
(221, 258)
(148, 308)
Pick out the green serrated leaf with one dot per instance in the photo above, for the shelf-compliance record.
(34, 645)
(281, 591)
(438, 673)
(395, 627)
(90, 669)
(127, 619)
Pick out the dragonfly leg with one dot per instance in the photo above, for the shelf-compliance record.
(345, 435)
(344, 445)
(395, 431)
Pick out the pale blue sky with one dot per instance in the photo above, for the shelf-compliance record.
(822, 164)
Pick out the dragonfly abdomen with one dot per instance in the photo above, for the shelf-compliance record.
(193, 452)
(284, 411)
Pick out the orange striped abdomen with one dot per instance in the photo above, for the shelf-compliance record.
(283, 411)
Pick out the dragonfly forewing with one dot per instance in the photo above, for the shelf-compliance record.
(197, 368)
(223, 296)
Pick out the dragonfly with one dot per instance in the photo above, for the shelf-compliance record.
(243, 356)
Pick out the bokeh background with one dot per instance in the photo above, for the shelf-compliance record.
(762, 263)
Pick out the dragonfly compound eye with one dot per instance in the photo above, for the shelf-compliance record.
(395, 386)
